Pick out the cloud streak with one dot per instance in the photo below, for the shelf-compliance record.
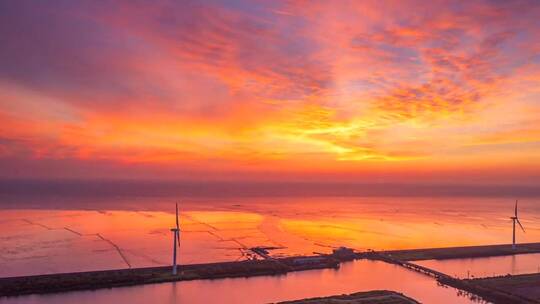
(361, 86)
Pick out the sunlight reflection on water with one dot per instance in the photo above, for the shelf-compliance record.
(351, 277)
(36, 241)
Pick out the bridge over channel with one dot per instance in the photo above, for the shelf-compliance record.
(487, 293)
(414, 267)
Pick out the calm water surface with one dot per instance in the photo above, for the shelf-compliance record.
(66, 234)
(41, 235)
(351, 277)
(486, 267)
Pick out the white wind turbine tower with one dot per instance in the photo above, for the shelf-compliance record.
(176, 240)
(514, 220)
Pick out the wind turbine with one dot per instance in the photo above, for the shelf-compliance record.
(176, 240)
(514, 220)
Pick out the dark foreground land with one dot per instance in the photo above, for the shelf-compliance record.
(462, 252)
(63, 282)
(524, 286)
(367, 297)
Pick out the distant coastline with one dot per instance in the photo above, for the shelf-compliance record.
(82, 188)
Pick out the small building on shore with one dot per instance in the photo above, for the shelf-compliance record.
(344, 253)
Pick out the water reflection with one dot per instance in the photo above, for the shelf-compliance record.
(351, 277)
(486, 267)
(67, 239)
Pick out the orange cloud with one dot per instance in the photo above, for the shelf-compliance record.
(315, 88)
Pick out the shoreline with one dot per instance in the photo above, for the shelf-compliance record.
(461, 252)
(92, 280)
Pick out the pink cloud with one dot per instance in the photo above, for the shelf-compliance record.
(250, 82)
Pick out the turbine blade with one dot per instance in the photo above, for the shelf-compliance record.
(517, 220)
(177, 224)
(515, 210)
(177, 227)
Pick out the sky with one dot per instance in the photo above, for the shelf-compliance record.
(397, 91)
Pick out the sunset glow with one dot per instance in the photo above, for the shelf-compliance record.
(400, 91)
